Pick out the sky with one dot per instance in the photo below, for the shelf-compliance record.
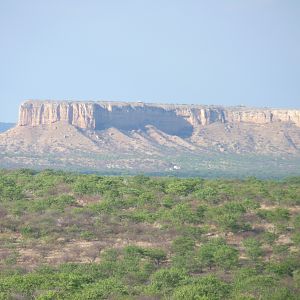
(233, 52)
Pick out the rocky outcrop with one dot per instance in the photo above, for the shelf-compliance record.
(46, 112)
(263, 116)
(170, 118)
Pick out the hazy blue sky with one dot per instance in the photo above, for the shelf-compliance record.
(190, 51)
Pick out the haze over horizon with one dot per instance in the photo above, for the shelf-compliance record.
(196, 52)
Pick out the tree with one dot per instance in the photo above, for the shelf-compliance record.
(206, 255)
(204, 288)
(166, 280)
(9, 190)
(101, 290)
(278, 216)
(253, 248)
(183, 187)
(217, 253)
(157, 255)
(228, 216)
(183, 248)
(296, 234)
(270, 237)
(226, 257)
(183, 245)
(182, 213)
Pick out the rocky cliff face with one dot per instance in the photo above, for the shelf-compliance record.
(172, 119)
(35, 113)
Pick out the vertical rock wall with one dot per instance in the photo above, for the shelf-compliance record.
(38, 113)
(123, 115)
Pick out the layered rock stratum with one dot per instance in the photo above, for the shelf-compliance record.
(147, 137)
(126, 115)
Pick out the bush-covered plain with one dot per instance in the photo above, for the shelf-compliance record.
(72, 236)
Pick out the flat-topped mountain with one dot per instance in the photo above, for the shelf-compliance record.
(146, 137)
(171, 118)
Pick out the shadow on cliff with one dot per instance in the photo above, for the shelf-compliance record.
(137, 119)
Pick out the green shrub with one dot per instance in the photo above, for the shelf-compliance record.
(183, 245)
(205, 288)
(217, 253)
(101, 290)
(165, 280)
(253, 248)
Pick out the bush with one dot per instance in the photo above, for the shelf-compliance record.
(182, 187)
(165, 280)
(228, 216)
(9, 190)
(205, 288)
(101, 290)
(217, 253)
(183, 245)
(253, 248)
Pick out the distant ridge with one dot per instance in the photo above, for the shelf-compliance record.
(6, 126)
